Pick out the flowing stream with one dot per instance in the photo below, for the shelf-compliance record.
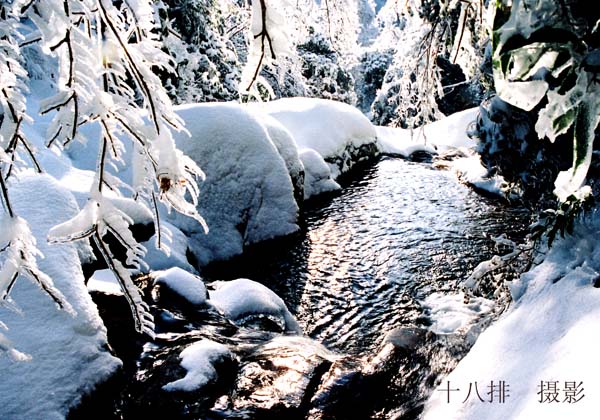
(398, 231)
(360, 268)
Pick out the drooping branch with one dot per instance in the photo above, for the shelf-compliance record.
(265, 38)
(133, 66)
(5, 199)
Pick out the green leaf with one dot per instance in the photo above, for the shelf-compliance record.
(563, 122)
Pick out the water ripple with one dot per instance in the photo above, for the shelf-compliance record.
(399, 232)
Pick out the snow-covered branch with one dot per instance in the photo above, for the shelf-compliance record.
(107, 55)
(270, 41)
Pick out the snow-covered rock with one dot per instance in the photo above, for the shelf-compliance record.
(247, 196)
(286, 146)
(338, 132)
(104, 281)
(437, 137)
(176, 255)
(184, 284)
(68, 354)
(199, 359)
(243, 299)
(317, 178)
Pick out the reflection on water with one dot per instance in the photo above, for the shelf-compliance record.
(366, 257)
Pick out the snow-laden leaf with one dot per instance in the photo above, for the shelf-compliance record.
(529, 60)
(143, 320)
(571, 182)
(114, 221)
(559, 114)
(524, 95)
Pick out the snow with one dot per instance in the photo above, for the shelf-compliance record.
(439, 136)
(444, 136)
(177, 244)
(286, 146)
(185, 284)
(198, 360)
(317, 174)
(450, 314)
(104, 281)
(68, 354)
(241, 298)
(247, 196)
(547, 335)
(330, 128)
(471, 171)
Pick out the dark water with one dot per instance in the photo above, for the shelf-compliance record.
(397, 232)
(364, 259)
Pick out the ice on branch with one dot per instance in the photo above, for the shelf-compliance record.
(98, 218)
(269, 41)
(18, 253)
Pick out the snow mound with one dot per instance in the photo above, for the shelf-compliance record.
(437, 137)
(338, 132)
(546, 339)
(317, 174)
(242, 298)
(68, 354)
(198, 359)
(471, 171)
(182, 283)
(247, 196)
(450, 314)
(286, 146)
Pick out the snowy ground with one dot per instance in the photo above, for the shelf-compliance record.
(538, 361)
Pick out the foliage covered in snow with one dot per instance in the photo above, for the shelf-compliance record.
(546, 50)
(428, 35)
(105, 57)
(195, 34)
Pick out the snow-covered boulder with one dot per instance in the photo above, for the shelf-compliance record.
(286, 146)
(176, 255)
(185, 285)
(247, 196)
(338, 132)
(437, 137)
(198, 360)
(246, 301)
(317, 178)
(68, 354)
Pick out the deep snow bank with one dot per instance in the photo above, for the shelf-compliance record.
(248, 196)
(68, 354)
(545, 348)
